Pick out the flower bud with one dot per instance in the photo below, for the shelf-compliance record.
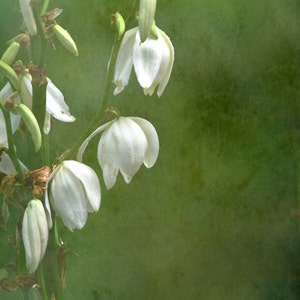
(34, 234)
(10, 74)
(146, 17)
(11, 53)
(120, 23)
(31, 124)
(65, 39)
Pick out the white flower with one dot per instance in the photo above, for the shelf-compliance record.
(55, 103)
(74, 191)
(126, 143)
(6, 93)
(34, 234)
(7, 167)
(28, 17)
(152, 61)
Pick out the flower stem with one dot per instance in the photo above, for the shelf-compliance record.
(11, 146)
(41, 280)
(104, 101)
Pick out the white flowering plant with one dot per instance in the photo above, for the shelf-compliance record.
(67, 188)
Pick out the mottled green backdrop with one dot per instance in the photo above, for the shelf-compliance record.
(216, 217)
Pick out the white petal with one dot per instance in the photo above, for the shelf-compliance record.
(132, 146)
(56, 105)
(147, 59)
(47, 208)
(108, 157)
(124, 60)
(152, 139)
(169, 60)
(87, 140)
(67, 198)
(7, 167)
(5, 93)
(28, 16)
(89, 181)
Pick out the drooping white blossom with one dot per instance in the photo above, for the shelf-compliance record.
(5, 94)
(126, 144)
(74, 191)
(55, 103)
(34, 234)
(152, 61)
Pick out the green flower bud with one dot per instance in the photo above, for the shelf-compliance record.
(146, 17)
(65, 39)
(11, 53)
(120, 24)
(31, 123)
(10, 74)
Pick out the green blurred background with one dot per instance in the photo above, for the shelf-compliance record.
(216, 217)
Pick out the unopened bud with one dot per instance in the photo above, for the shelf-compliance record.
(146, 17)
(31, 124)
(10, 74)
(120, 23)
(65, 39)
(34, 234)
(11, 52)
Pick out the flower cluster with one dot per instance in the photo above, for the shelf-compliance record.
(68, 188)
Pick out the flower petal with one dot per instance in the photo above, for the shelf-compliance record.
(28, 16)
(168, 68)
(56, 104)
(66, 197)
(124, 60)
(152, 139)
(89, 181)
(87, 140)
(7, 167)
(108, 157)
(132, 146)
(5, 93)
(147, 57)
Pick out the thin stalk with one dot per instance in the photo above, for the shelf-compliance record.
(103, 103)
(41, 280)
(44, 7)
(11, 145)
(52, 276)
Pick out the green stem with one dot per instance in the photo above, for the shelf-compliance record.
(104, 102)
(45, 7)
(52, 276)
(11, 145)
(41, 280)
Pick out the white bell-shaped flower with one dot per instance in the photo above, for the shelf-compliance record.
(6, 93)
(55, 103)
(126, 143)
(74, 191)
(152, 61)
(34, 234)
